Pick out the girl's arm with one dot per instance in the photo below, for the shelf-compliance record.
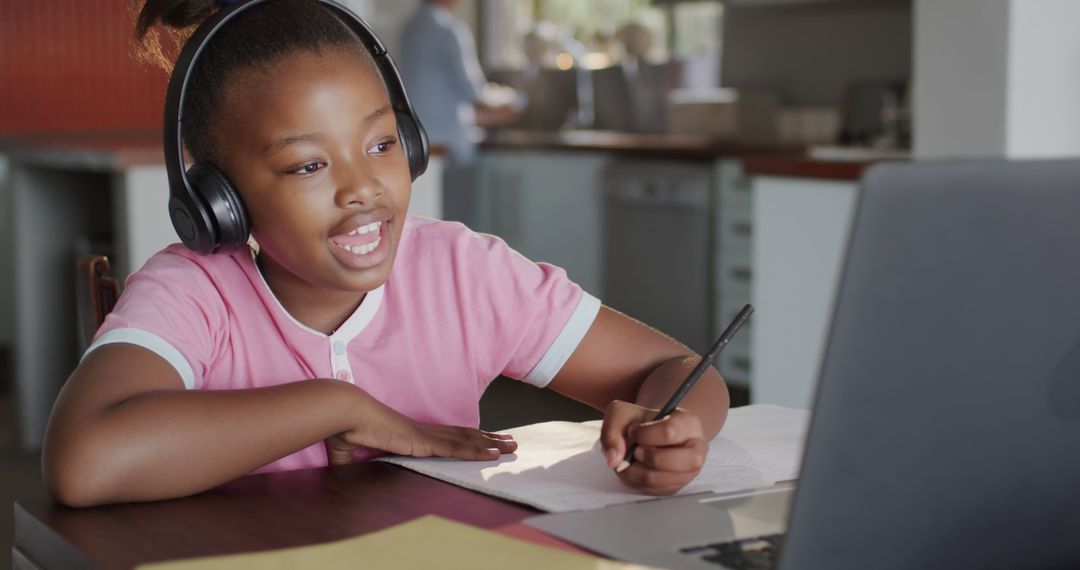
(629, 370)
(124, 429)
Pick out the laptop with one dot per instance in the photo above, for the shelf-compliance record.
(946, 424)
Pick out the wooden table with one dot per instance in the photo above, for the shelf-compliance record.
(257, 512)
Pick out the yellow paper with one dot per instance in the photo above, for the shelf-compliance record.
(426, 542)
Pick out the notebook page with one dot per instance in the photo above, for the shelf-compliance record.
(559, 466)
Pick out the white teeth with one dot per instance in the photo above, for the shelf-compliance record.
(372, 227)
(364, 249)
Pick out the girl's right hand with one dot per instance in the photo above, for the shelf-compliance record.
(397, 434)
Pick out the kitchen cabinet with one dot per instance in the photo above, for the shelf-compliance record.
(546, 205)
(800, 233)
(7, 307)
(54, 204)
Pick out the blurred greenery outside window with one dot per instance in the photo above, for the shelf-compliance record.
(698, 29)
(594, 26)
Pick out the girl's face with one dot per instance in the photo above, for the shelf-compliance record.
(311, 144)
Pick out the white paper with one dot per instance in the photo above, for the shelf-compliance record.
(559, 466)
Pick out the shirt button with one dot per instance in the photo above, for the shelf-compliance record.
(344, 375)
(339, 347)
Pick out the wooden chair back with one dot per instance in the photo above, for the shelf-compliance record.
(95, 293)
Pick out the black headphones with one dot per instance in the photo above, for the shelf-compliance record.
(206, 211)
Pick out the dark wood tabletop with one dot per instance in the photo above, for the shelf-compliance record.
(257, 512)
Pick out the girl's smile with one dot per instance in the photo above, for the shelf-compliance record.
(364, 246)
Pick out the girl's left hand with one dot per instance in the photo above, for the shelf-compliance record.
(670, 452)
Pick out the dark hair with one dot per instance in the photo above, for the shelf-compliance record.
(255, 38)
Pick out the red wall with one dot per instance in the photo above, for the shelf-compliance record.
(65, 65)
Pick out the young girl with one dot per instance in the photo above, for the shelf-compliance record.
(350, 329)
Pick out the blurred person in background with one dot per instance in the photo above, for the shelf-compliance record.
(453, 99)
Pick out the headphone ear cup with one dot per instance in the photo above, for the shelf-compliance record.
(191, 218)
(414, 143)
(235, 233)
(223, 205)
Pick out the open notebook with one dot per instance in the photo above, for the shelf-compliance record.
(559, 466)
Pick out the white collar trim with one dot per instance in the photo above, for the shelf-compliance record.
(352, 326)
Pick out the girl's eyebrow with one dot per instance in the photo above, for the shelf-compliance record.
(295, 139)
(309, 137)
(376, 114)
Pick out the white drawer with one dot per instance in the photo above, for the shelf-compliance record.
(736, 199)
(735, 237)
(734, 274)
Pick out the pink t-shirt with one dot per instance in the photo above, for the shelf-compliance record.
(458, 309)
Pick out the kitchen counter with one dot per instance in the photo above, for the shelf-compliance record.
(690, 147)
(758, 159)
(95, 152)
(803, 167)
(823, 163)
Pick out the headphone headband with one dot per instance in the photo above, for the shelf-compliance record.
(207, 221)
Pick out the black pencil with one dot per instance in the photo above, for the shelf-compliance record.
(692, 378)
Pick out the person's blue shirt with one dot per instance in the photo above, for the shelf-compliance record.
(442, 74)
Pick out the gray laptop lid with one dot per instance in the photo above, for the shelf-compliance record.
(946, 430)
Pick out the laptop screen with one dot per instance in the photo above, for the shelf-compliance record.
(947, 419)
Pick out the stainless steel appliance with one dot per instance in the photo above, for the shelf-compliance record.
(656, 245)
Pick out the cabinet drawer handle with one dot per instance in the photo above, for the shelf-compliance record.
(742, 273)
(742, 228)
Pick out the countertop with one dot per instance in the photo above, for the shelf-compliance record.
(691, 147)
(761, 159)
(804, 167)
(826, 163)
(99, 152)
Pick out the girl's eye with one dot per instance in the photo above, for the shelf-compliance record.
(309, 168)
(384, 146)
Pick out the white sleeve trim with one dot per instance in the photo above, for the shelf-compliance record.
(153, 343)
(567, 341)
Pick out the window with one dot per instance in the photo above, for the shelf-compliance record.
(592, 27)
(698, 29)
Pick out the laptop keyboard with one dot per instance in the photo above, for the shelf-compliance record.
(756, 553)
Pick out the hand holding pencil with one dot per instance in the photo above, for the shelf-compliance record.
(669, 443)
(669, 454)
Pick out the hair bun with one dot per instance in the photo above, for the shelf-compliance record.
(177, 18)
(179, 14)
